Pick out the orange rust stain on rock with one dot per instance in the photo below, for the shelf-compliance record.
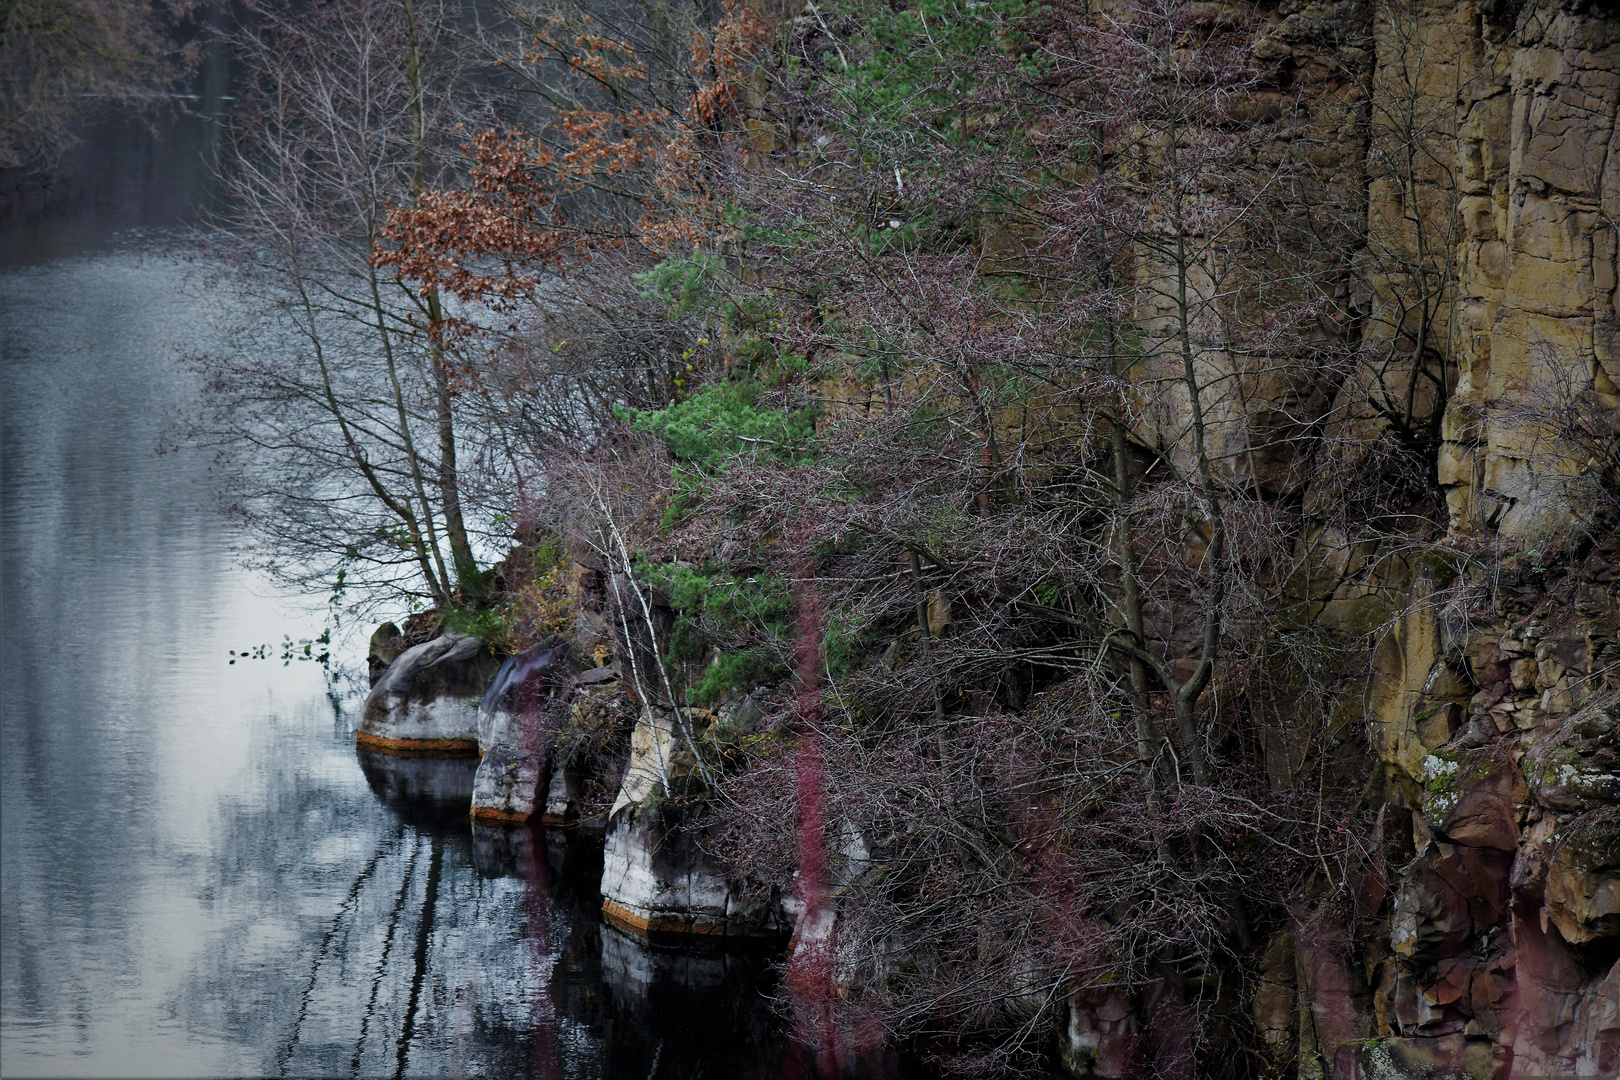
(625, 919)
(417, 747)
(490, 816)
(666, 926)
(659, 926)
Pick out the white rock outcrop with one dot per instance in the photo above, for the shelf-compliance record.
(427, 700)
(657, 881)
(510, 736)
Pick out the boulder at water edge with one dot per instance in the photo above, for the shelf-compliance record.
(427, 700)
(509, 734)
(657, 881)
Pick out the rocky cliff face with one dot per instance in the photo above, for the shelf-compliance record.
(1532, 212)
(657, 880)
(658, 883)
(1487, 925)
(1481, 143)
(512, 756)
(1494, 893)
(1474, 149)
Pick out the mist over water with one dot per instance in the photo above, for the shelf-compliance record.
(199, 874)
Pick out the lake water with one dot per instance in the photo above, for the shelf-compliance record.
(199, 874)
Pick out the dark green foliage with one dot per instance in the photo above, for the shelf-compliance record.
(726, 421)
(752, 603)
(684, 284)
(737, 628)
(843, 647)
(734, 674)
(918, 62)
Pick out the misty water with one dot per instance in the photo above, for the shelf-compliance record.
(201, 875)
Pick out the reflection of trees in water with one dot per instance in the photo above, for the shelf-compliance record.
(340, 923)
(332, 951)
(424, 934)
(382, 968)
(110, 579)
(405, 942)
(627, 1009)
(298, 856)
(428, 967)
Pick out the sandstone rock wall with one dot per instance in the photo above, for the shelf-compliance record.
(657, 881)
(1488, 941)
(1493, 703)
(1469, 160)
(1315, 59)
(1485, 936)
(1534, 219)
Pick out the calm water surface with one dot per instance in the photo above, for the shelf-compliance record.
(199, 874)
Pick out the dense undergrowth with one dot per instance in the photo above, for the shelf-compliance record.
(971, 387)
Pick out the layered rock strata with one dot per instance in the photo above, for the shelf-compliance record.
(1494, 701)
(1535, 195)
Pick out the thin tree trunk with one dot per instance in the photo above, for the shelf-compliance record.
(1185, 697)
(436, 588)
(1131, 599)
(405, 434)
(461, 555)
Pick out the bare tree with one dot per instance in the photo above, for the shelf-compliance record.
(342, 402)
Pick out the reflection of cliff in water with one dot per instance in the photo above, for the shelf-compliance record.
(623, 1008)
(484, 945)
(424, 792)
